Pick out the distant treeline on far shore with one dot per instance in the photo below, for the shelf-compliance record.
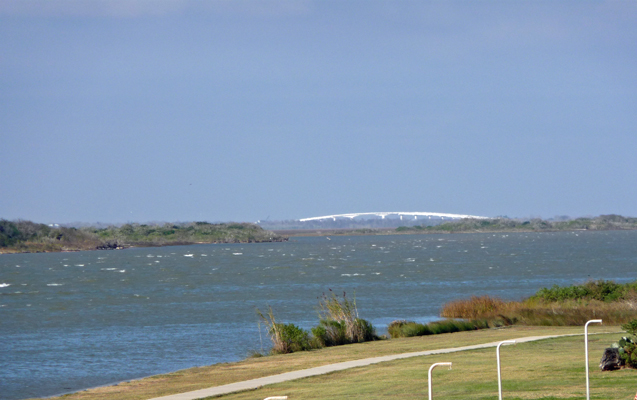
(26, 236)
(600, 223)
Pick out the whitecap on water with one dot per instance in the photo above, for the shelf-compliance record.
(79, 265)
(189, 255)
(54, 284)
(108, 269)
(5, 285)
(238, 254)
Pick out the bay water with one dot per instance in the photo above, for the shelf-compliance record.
(70, 321)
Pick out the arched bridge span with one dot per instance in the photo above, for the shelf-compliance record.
(384, 214)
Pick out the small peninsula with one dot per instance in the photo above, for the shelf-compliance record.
(30, 237)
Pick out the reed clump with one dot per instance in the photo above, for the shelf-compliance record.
(339, 324)
(559, 306)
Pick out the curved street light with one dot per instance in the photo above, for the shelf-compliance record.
(593, 321)
(429, 375)
(497, 353)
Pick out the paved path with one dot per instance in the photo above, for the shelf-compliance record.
(304, 373)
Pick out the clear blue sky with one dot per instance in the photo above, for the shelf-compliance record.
(115, 111)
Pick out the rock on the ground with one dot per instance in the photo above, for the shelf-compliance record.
(611, 360)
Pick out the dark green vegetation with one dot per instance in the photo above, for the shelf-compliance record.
(627, 345)
(603, 222)
(606, 291)
(27, 236)
(338, 324)
(612, 302)
(402, 328)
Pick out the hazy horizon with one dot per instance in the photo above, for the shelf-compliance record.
(182, 110)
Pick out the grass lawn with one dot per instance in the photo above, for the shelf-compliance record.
(535, 370)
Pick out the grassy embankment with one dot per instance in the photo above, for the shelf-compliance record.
(27, 236)
(538, 370)
(549, 369)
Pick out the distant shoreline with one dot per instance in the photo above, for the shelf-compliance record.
(29, 237)
(393, 231)
(19, 251)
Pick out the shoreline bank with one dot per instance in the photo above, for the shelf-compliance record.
(250, 369)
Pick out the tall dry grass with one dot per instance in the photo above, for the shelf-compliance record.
(474, 307)
(535, 311)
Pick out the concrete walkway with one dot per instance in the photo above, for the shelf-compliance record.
(304, 373)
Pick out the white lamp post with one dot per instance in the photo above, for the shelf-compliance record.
(593, 321)
(429, 375)
(497, 352)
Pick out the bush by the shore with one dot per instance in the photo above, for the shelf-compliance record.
(402, 328)
(338, 324)
(570, 305)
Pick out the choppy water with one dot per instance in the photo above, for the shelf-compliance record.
(70, 321)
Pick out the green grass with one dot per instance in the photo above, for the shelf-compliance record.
(407, 377)
(549, 369)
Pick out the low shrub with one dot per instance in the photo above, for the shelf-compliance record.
(339, 322)
(627, 345)
(599, 290)
(334, 333)
(286, 338)
(402, 328)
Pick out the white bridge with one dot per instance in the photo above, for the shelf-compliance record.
(399, 213)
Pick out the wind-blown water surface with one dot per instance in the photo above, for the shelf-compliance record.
(69, 321)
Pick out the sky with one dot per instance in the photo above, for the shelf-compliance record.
(178, 110)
